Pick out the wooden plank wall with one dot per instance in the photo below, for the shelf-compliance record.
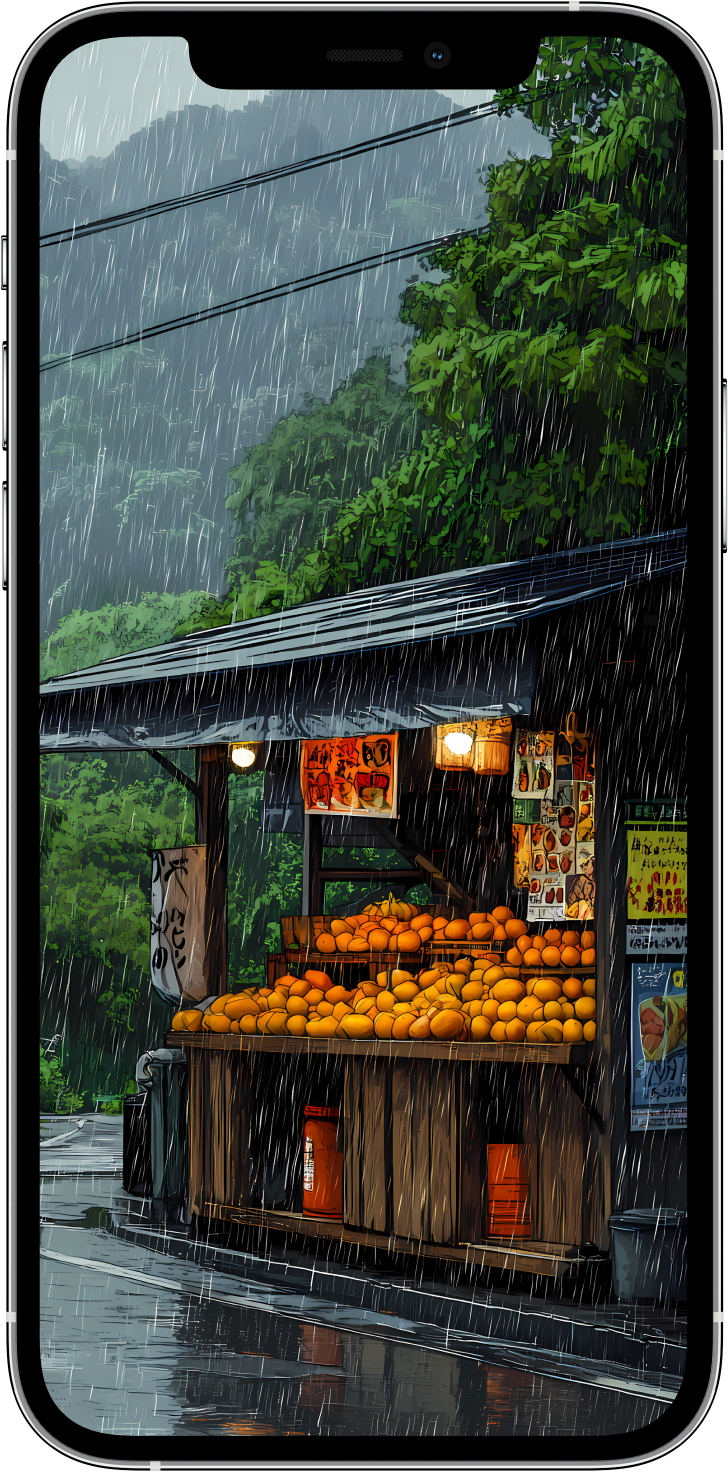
(568, 1197)
(221, 1103)
(367, 1143)
(425, 1151)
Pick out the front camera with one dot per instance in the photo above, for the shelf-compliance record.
(437, 55)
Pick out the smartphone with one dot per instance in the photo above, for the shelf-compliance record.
(348, 435)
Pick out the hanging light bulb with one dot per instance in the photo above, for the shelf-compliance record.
(458, 742)
(244, 753)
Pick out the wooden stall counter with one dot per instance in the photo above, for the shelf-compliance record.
(429, 1050)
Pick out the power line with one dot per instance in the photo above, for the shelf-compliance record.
(163, 207)
(253, 181)
(257, 298)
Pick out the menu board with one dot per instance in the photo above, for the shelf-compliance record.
(657, 871)
(533, 765)
(355, 775)
(659, 1096)
(562, 881)
(178, 922)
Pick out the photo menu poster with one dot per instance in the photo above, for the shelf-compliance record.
(533, 766)
(659, 1096)
(354, 775)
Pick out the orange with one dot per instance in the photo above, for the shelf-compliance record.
(338, 926)
(547, 990)
(464, 964)
(506, 1011)
(588, 939)
(539, 942)
(439, 922)
(588, 986)
(489, 1009)
(477, 918)
(482, 930)
(552, 1012)
(515, 928)
(297, 1007)
(325, 943)
(422, 922)
(571, 988)
(500, 933)
(523, 944)
(480, 1029)
(357, 943)
(384, 1024)
(515, 1030)
(535, 1032)
(181, 1021)
(297, 1027)
(532, 957)
(299, 988)
(553, 1031)
(588, 956)
(324, 1009)
(358, 1027)
(502, 913)
(492, 975)
(318, 979)
(590, 1031)
(527, 1008)
(342, 1009)
(408, 940)
(570, 956)
(325, 1027)
(245, 1024)
(220, 1002)
(585, 1008)
(573, 1031)
(344, 939)
(378, 939)
(338, 994)
(571, 938)
(239, 1007)
(498, 1032)
(419, 1027)
(457, 930)
(567, 1010)
(385, 1002)
(396, 976)
(277, 1002)
(446, 1024)
(508, 990)
(514, 956)
(278, 1022)
(472, 991)
(551, 956)
(425, 935)
(552, 936)
(313, 997)
(406, 991)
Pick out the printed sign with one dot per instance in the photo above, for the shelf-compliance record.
(533, 765)
(657, 872)
(657, 939)
(178, 922)
(526, 809)
(659, 1046)
(521, 855)
(356, 775)
(581, 885)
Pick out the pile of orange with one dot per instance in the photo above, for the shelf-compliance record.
(460, 1002)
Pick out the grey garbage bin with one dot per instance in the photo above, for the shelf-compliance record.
(649, 1254)
(168, 1126)
(136, 1156)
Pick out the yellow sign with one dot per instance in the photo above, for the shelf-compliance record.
(657, 872)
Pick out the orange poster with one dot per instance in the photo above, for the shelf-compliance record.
(353, 774)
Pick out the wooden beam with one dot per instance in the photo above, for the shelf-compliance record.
(176, 772)
(371, 876)
(313, 852)
(212, 830)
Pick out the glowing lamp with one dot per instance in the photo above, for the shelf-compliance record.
(244, 753)
(458, 742)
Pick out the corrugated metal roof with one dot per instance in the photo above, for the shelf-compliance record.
(451, 604)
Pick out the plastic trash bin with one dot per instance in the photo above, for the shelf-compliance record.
(168, 1125)
(649, 1254)
(136, 1150)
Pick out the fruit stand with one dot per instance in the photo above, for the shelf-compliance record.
(417, 1029)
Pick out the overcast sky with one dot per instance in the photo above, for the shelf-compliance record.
(102, 93)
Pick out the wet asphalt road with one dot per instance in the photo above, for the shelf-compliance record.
(135, 1342)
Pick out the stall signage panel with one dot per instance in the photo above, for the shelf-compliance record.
(657, 872)
(356, 775)
(178, 922)
(657, 938)
(533, 767)
(659, 1046)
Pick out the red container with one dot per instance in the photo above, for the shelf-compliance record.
(323, 1164)
(509, 1191)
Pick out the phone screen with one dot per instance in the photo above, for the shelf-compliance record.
(368, 674)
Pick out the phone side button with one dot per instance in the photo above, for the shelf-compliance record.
(5, 536)
(724, 465)
(5, 395)
(4, 262)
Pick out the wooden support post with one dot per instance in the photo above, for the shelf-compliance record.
(313, 853)
(212, 830)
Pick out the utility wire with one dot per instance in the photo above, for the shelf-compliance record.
(256, 298)
(145, 212)
(321, 160)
